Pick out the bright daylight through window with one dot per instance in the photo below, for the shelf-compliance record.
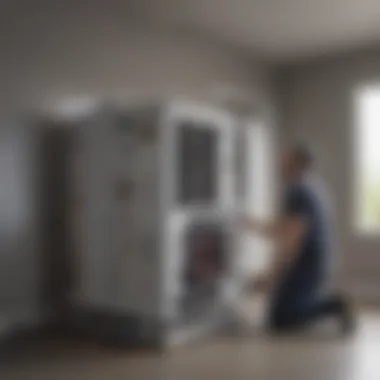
(367, 159)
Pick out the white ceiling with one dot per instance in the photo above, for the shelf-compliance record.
(282, 30)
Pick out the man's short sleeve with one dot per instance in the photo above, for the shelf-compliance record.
(295, 202)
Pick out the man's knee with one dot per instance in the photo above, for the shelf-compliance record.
(279, 321)
(288, 317)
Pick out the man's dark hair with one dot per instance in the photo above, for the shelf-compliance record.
(304, 155)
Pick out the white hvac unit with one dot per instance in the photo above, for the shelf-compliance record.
(155, 205)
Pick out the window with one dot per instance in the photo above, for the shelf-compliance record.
(367, 155)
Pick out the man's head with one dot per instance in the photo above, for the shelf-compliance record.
(297, 160)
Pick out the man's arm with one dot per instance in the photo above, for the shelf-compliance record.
(267, 229)
(288, 231)
(286, 234)
(287, 244)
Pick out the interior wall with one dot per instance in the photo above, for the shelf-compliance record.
(317, 107)
(54, 51)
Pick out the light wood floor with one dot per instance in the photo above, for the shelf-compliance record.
(227, 358)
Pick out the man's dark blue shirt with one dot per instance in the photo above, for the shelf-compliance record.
(308, 200)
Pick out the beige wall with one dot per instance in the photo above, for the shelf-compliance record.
(317, 107)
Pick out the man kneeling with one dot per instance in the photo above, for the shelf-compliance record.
(303, 238)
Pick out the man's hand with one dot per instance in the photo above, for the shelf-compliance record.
(267, 229)
(264, 283)
(261, 284)
(250, 223)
